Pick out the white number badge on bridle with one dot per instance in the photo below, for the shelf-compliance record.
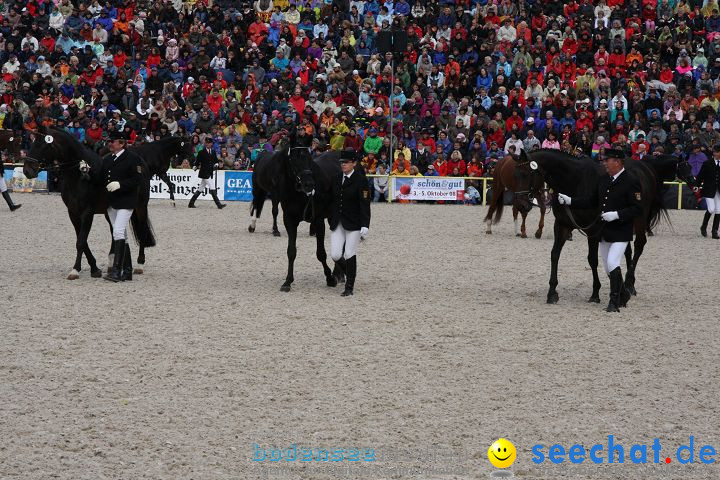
(11, 139)
(49, 139)
(533, 165)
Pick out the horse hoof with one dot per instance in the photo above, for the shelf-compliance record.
(538, 235)
(96, 273)
(331, 281)
(631, 290)
(523, 236)
(73, 275)
(251, 229)
(285, 288)
(594, 299)
(553, 298)
(138, 271)
(488, 232)
(276, 233)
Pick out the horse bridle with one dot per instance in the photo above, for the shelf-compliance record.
(298, 181)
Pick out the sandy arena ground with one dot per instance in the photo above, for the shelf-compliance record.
(446, 346)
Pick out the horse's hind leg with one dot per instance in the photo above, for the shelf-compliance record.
(111, 256)
(320, 252)
(523, 232)
(139, 270)
(515, 221)
(275, 203)
(640, 241)
(592, 258)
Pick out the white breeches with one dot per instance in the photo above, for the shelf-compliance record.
(341, 237)
(612, 254)
(3, 187)
(205, 182)
(119, 220)
(713, 204)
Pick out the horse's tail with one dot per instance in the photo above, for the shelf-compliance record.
(657, 210)
(496, 203)
(142, 228)
(256, 206)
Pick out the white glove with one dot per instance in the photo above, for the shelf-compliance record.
(195, 167)
(364, 232)
(112, 186)
(217, 165)
(610, 216)
(564, 199)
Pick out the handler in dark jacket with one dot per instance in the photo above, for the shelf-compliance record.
(709, 180)
(122, 174)
(349, 217)
(207, 162)
(618, 196)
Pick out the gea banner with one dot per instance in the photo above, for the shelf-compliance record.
(428, 188)
(186, 181)
(238, 186)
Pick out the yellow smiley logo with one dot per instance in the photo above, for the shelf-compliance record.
(502, 453)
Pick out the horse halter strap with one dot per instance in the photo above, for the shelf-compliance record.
(295, 173)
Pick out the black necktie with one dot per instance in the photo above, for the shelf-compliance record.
(345, 177)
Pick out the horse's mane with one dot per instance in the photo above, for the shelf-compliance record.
(78, 151)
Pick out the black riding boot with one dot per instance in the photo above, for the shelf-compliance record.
(213, 194)
(127, 268)
(703, 227)
(192, 200)
(13, 207)
(350, 272)
(615, 287)
(115, 274)
(716, 224)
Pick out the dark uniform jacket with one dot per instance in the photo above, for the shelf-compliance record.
(709, 178)
(622, 196)
(206, 163)
(126, 169)
(351, 202)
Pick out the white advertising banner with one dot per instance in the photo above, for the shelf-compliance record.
(428, 188)
(186, 181)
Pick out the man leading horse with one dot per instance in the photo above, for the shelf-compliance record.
(618, 195)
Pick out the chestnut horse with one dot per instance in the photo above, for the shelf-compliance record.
(504, 179)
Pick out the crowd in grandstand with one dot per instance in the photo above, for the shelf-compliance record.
(477, 81)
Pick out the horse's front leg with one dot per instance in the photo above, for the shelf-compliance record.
(95, 272)
(523, 232)
(171, 186)
(291, 226)
(77, 224)
(320, 252)
(561, 233)
(515, 220)
(541, 225)
(593, 243)
(275, 210)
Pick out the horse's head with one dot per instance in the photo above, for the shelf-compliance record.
(529, 183)
(300, 162)
(684, 172)
(42, 154)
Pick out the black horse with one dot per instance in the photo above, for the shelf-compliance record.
(578, 176)
(303, 187)
(158, 155)
(83, 192)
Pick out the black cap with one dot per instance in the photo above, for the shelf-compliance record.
(115, 135)
(716, 147)
(614, 153)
